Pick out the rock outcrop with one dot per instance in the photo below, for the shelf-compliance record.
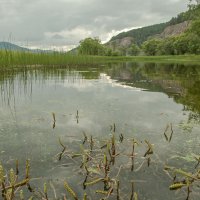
(175, 30)
(125, 42)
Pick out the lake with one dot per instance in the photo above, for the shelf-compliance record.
(141, 100)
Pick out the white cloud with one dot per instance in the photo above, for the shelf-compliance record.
(77, 32)
(64, 23)
(106, 37)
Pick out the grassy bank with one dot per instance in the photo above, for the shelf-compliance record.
(14, 58)
(169, 59)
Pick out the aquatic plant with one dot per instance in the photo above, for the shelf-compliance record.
(9, 183)
(98, 164)
(183, 179)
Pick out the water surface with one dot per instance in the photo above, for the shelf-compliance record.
(141, 99)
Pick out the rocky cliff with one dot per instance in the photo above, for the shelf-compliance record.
(174, 30)
(125, 42)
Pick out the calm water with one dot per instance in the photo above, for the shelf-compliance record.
(141, 99)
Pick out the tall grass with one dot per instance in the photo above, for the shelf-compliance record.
(10, 58)
(20, 58)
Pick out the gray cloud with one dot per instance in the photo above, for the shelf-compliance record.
(65, 22)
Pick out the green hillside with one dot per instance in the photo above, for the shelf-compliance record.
(142, 34)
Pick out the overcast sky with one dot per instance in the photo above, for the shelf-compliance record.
(63, 23)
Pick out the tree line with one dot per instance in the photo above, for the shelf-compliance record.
(186, 43)
(93, 46)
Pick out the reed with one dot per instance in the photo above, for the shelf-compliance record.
(9, 184)
(20, 58)
(10, 58)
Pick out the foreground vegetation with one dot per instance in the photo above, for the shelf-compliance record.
(19, 59)
(100, 165)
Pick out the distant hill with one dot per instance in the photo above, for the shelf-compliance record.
(13, 47)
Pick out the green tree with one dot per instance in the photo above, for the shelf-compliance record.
(181, 45)
(195, 27)
(134, 50)
(116, 53)
(108, 51)
(151, 47)
(91, 46)
(122, 51)
(166, 46)
(193, 43)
